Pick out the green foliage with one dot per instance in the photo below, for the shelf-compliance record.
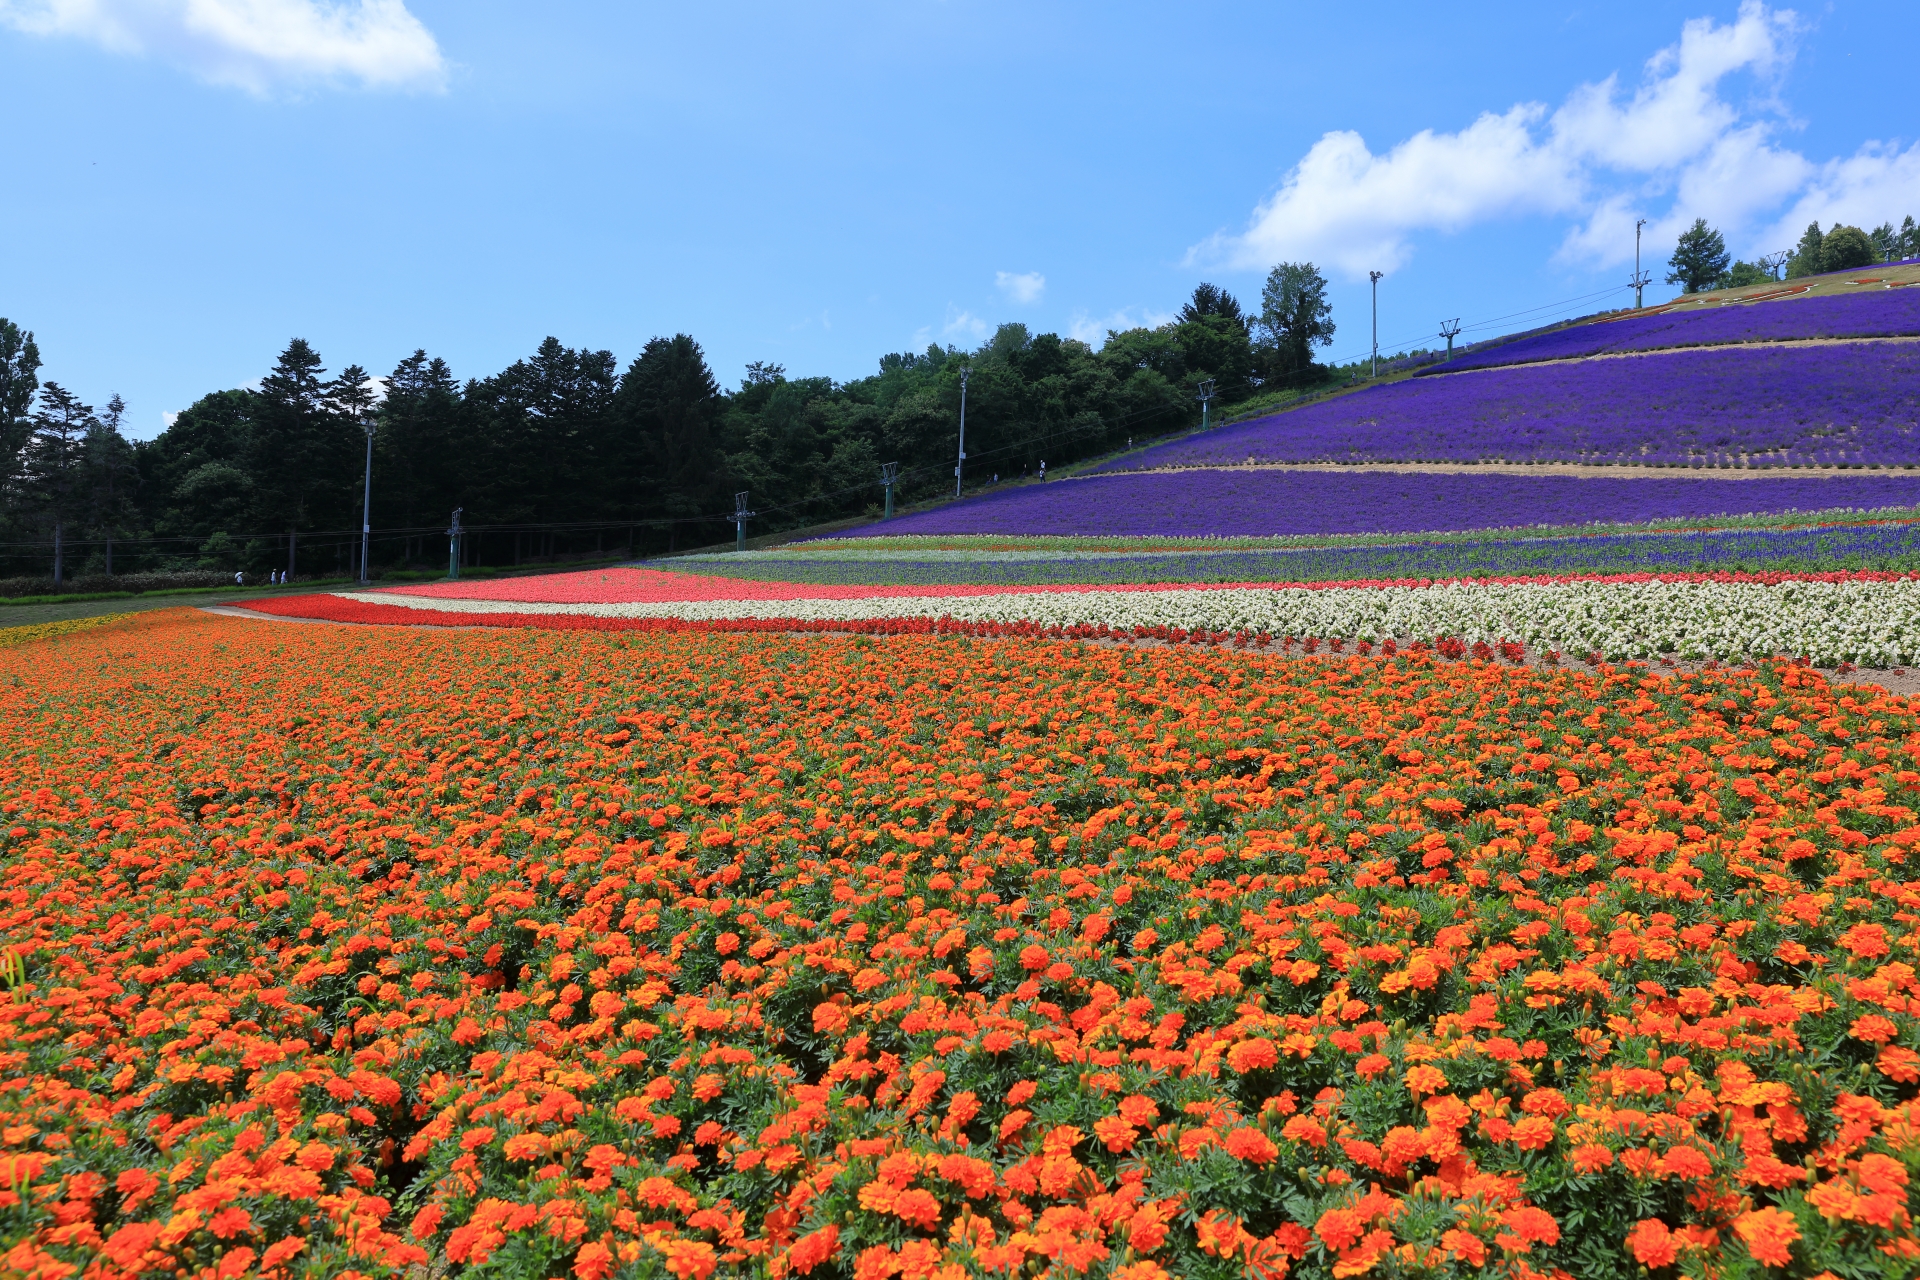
(647, 459)
(1295, 318)
(1846, 248)
(1699, 261)
(1806, 259)
(1742, 274)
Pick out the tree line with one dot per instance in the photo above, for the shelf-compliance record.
(567, 453)
(1701, 262)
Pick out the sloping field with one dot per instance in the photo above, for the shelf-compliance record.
(1876, 310)
(1256, 502)
(1854, 404)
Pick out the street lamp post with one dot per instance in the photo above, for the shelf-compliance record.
(1639, 276)
(961, 462)
(366, 502)
(1375, 277)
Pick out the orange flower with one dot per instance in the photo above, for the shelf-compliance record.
(1768, 1234)
(1652, 1244)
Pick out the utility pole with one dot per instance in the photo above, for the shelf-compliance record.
(453, 544)
(1639, 276)
(1450, 329)
(962, 460)
(1206, 394)
(740, 517)
(366, 501)
(1375, 277)
(889, 475)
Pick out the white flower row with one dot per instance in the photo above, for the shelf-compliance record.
(1870, 623)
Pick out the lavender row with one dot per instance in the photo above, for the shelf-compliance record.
(1875, 311)
(1820, 549)
(1854, 403)
(1271, 503)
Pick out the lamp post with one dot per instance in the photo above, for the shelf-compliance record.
(1639, 276)
(1375, 277)
(366, 501)
(962, 460)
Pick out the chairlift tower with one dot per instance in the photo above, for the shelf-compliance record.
(889, 476)
(1450, 329)
(1205, 397)
(1774, 261)
(453, 544)
(740, 517)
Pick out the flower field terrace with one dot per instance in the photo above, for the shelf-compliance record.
(1867, 617)
(1855, 543)
(1228, 501)
(1850, 403)
(545, 953)
(1870, 310)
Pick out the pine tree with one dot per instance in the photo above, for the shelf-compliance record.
(19, 379)
(60, 427)
(1700, 260)
(303, 451)
(1808, 256)
(111, 476)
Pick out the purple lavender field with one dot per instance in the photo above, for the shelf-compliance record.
(1269, 503)
(1775, 406)
(1875, 311)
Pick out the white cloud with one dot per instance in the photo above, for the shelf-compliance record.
(1093, 330)
(1876, 183)
(963, 324)
(1024, 288)
(1599, 157)
(255, 45)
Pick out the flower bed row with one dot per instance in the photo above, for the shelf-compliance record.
(1869, 619)
(1884, 544)
(1734, 406)
(1241, 501)
(1878, 312)
(589, 956)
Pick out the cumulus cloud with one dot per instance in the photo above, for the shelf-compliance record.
(256, 45)
(963, 324)
(1605, 157)
(1874, 184)
(1024, 288)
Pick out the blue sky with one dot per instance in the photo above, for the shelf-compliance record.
(189, 183)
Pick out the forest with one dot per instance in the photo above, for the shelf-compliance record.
(565, 454)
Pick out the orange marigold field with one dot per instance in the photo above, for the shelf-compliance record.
(539, 954)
